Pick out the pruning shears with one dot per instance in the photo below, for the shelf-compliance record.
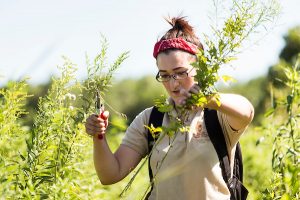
(99, 108)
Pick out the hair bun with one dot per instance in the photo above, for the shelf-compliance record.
(181, 29)
(180, 24)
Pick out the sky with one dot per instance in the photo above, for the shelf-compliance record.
(34, 35)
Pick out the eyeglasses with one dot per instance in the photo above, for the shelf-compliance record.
(176, 76)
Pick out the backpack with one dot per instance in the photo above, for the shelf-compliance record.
(237, 190)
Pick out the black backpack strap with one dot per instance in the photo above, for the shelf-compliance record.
(237, 190)
(217, 138)
(238, 158)
(156, 119)
(241, 191)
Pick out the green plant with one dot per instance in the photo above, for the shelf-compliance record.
(12, 100)
(246, 17)
(285, 136)
(99, 75)
(50, 161)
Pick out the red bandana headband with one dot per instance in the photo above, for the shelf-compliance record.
(174, 43)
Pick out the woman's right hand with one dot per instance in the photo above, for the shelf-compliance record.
(97, 124)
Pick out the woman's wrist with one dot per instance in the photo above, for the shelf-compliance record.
(99, 138)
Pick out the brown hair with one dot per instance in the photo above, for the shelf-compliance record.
(181, 29)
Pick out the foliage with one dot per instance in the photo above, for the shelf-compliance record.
(52, 144)
(32, 102)
(292, 47)
(257, 158)
(276, 76)
(12, 101)
(287, 56)
(43, 161)
(99, 75)
(246, 18)
(286, 139)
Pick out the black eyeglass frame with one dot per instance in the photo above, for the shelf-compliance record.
(174, 76)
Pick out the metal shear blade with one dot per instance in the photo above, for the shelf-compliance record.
(98, 104)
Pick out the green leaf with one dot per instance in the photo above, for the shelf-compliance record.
(269, 112)
(289, 99)
(23, 158)
(184, 129)
(154, 130)
(165, 108)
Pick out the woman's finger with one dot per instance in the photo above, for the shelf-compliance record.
(184, 93)
(95, 118)
(92, 123)
(195, 89)
(90, 131)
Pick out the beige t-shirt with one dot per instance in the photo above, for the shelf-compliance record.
(191, 169)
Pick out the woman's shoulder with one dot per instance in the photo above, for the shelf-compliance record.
(146, 111)
(136, 134)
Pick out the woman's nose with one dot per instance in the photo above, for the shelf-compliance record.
(174, 83)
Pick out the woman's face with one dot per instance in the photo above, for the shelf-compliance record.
(176, 62)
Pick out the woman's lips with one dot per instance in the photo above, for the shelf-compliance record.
(176, 93)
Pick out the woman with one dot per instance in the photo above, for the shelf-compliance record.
(191, 168)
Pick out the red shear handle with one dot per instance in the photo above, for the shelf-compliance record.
(104, 116)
